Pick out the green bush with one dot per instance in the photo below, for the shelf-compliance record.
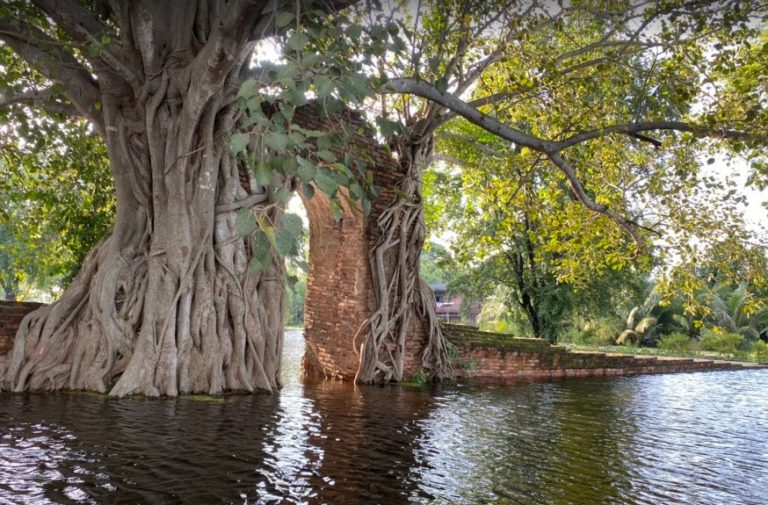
(675, 343)
(722, 342)
(599, 332)
(760, 349)
(573, 335)
(602, 331)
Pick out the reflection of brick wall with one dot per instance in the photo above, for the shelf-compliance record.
(339, 295)
(11, 314)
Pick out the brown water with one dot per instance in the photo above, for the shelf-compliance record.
(696, 439)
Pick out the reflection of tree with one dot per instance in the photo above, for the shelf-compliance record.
(367, 438)
(593, 450)
(526, 443)
(132, 451)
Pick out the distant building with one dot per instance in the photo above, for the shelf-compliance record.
(449, 308)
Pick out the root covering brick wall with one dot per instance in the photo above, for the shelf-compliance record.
(11, 314)
(339, 297)
(485, 355)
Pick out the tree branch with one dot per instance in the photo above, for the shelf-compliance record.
(637, 128)
(83, 26)
(47, 56)
(480, 102)
(646, 138)
(451, 102)
(581, 195)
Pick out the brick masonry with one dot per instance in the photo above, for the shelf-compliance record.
(11, 315)
(484, 355)
(339, 297)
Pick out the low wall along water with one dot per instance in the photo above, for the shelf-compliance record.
(485, 355)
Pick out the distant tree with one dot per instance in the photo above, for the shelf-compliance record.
(59, 200)
(437, 265)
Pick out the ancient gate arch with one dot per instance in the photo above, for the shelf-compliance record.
(340, 292)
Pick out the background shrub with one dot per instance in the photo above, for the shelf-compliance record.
(675, 342)
(722, 342)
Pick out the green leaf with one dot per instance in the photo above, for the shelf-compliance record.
(336, 211)
(262, 257)
(285, 242)
(441, 85)
(293, 224)
(306, 170)
(245, 222)
(277, 141)
(323, 86)
(247, 89)
(354, 31)
(297, 41)
(326, 184)
(262, 173)
(308, 189)
(326, 155)
(282, 194)
(268, 230)
(434, 63)
(284, 19)
(387, 127)
(238, 142)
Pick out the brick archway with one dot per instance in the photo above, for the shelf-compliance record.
(339, 297)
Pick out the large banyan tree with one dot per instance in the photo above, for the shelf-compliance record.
(166, 303)
(186, 292)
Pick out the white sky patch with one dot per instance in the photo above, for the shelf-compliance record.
(755, 211)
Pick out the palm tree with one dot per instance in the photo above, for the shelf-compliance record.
(732, 311)
(647, 322)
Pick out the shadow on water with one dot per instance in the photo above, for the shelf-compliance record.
(689, 438)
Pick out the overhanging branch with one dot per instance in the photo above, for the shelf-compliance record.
(451, 102)
(48, 57)
(83, 26)
(637, 128)
(549, 148)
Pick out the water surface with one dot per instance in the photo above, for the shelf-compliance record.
(696, 439)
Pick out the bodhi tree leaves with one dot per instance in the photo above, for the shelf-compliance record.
(322, 66)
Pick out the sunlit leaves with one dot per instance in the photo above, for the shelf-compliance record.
(322, 67)
(58, 198)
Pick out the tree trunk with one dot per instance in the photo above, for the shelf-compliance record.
(10, 293)
(400, 294)
(166, 305)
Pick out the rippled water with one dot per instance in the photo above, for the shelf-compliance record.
(691, 438)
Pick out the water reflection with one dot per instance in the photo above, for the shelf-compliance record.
(690, 438)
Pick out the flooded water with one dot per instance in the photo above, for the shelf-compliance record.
(696, 439)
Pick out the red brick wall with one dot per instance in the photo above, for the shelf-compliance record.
(11, 314)
(484, 355)
(339, 295)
